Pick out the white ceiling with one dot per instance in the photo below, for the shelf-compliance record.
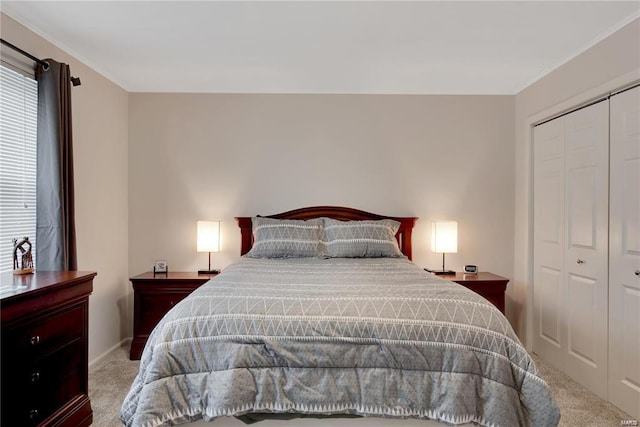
(433, 47)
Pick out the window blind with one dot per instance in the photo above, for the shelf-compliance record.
(18, 129)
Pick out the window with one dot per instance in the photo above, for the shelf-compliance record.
(18, 128)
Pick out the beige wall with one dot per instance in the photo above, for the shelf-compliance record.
(100, 122)
(201, 156)
(207, 156)
(613, 62)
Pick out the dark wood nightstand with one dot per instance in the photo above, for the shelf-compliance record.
(153, 296)
(491, 286)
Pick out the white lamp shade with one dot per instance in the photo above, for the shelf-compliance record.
(444, 237)
(208, 236)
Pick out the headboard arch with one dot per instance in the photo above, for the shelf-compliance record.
(336, 212)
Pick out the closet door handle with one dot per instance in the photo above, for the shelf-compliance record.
(580, 261)
(637, 273)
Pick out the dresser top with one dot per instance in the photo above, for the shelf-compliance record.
(17, 286)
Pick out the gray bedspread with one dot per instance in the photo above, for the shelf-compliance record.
(371, 337)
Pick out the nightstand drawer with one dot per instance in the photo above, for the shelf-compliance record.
(146, 323)
(159, 304)
(491, 286)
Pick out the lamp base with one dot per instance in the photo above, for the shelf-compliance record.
(439, 272)
(208, 271)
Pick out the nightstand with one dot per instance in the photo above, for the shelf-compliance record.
(491, 286)
(153, 297)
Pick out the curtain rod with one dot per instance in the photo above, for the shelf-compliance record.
(44, 64)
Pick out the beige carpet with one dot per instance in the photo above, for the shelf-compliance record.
(109, 382)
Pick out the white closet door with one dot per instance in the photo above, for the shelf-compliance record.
(624, 276)
(570, 274)
(586, 242)
(548, 296)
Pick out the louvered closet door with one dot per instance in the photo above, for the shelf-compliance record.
(624, 251)
(571, 245)
(548, 295)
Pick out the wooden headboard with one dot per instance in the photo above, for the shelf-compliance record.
(344, 214)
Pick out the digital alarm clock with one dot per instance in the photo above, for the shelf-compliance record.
(471, 269)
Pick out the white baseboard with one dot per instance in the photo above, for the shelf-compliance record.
(124, 343)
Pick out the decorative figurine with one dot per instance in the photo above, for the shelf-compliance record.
(24, 263)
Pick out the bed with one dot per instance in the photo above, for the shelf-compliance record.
(334, 322)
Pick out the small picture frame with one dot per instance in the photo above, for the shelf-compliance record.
(160, 266)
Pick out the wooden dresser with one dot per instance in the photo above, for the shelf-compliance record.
(153, 296)
(44, 354)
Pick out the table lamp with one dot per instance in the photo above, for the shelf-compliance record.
(444, 238)
(208, 241)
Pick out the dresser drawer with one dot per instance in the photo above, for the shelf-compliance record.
(44, 335)
(49, 371)
(43, 366)
(45, 372)
(31, 409)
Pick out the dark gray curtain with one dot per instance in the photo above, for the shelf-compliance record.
(55, 223)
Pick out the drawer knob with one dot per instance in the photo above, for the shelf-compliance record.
(35, 377)
(35, 340)
(637, 273)
(33, 414)
(580, 261)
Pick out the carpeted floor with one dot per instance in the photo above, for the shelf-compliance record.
(109, 382)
